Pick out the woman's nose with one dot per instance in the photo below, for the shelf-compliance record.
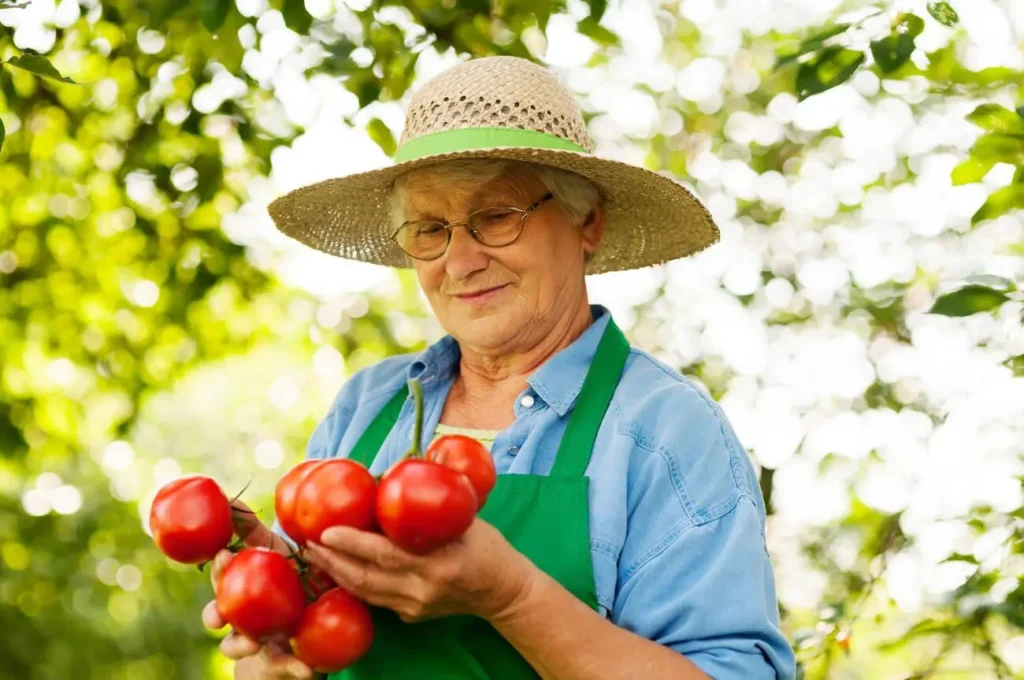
(465, 255)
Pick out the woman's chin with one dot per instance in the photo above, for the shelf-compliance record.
(484, 332)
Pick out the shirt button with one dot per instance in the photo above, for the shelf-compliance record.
(527, 401)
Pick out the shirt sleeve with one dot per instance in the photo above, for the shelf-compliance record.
(710, 595)
(695, 574)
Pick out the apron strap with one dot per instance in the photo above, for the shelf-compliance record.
(584, 421)
(372, 439)
(591, 404)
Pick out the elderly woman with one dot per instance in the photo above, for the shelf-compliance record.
(625, 536)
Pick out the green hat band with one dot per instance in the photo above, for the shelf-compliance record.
(467, 139)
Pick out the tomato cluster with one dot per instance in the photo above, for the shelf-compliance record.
(420, 503)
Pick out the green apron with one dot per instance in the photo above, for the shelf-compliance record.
(545, 517)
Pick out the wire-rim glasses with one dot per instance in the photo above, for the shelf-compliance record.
(494, 227)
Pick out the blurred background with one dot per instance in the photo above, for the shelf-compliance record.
(860, 320)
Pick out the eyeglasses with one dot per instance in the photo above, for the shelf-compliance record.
(494, 227)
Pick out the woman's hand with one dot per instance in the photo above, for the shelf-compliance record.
(272, 660)
(479, 574)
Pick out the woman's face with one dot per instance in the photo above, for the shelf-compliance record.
(500, 300)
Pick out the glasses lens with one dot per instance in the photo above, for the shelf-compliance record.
(497, 226)
(422, 239)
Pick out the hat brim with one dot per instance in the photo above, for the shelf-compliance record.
(650, 218)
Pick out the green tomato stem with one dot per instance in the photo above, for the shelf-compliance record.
(417, 431)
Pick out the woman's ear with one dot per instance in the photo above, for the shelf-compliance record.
(593, 228)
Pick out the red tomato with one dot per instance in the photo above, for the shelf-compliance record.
(468, 456)
(338, 492)
(260, 594)
(285, 496)
(334, 633)
(422, 505)
(191, 520)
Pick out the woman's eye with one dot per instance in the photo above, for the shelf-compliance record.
(496, 216)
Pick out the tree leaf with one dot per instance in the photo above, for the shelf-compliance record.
(296, 17)
(996, 147)
(213, 13)
(211, 176)
(399, 72)
(832, 67)
(597, 32)
(971, 170)
(39, 65)
(922, 628)
(909, 23)
(597, 9)
(943, 13)
(967, 301)
(961, 557)
(381, 134)
(368, 92)
(977, 525)
(3, 134)
(996, 118)
(1015, 364)
(1013, 612)
(1000, 202)
(162, 10)
(519, 15)
(470, 6)
(892, 51)
(339, 51)
(1002, 284)
(811, 44)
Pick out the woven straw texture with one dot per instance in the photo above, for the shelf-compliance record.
(650, 218)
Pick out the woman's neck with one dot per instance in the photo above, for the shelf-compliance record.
(487, 385)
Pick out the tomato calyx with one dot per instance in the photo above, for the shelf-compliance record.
(305, 570)
(315, 581)
(238, 519)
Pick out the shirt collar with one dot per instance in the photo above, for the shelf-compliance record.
(558, 381)
(438, 361)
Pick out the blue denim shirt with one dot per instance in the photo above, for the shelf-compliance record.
(676, 513)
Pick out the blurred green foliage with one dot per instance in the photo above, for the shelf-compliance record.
(121, 297)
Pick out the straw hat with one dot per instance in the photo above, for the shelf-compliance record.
(510, 108)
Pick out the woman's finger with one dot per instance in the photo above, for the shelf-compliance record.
(236, 646)
(255, 533)
(279, 664)
(211, 616)
(220, 562)
(367, 546)
(287, 668)
(362, 579)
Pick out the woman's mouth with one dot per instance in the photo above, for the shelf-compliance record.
(481, 295)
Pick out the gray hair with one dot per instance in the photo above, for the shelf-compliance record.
(576, 194)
